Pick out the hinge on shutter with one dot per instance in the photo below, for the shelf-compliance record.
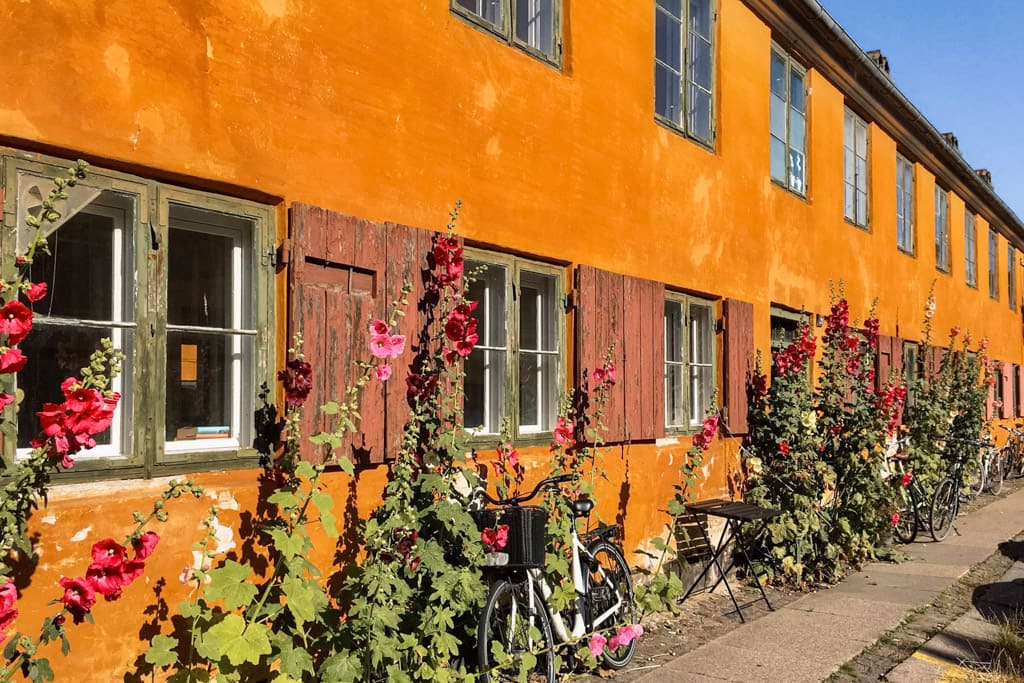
(570, 300)
(720, 325)
(282, 255)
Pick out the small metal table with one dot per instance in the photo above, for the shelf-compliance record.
(735, 515)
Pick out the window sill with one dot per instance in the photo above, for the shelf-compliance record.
(944, 271)
(910, 253)
(865, 227)
(673, 127)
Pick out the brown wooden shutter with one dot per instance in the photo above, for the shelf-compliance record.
(335, 287)
(933, 364)
(738, 355)
(629, 313)
(1006, 377)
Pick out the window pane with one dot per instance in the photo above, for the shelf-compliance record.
(535, 24)
(797, 129)
(490, 10)
(796, 91)
(700, 62)
(538, 386)
(209, 373)
(862, 208)
(666, 94)
(778, 75)
(862, 139)
(849, 203)
(861, 169)
(700, 17)
(700, 114)
(668, 44)
(675, 415)
(673, 7)
(778, 159)
(848, 131)
(674, 331)
(777, 118)
(537, 305)
(849, 168)
(488, 290)
(701, 389)
(80, 271)
(485, 390)
(700, 334)
(796, 171)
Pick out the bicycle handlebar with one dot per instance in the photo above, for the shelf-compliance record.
(549, 483)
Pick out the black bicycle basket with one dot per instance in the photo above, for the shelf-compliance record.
(525, 547)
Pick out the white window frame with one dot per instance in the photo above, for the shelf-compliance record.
(854, 179)
(942, 260)
(993, 264)
(905, 180)
(790, 181)
(688, 365)
(508, 407)
(681, 118)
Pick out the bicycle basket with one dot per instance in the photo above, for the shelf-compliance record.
(525, 547)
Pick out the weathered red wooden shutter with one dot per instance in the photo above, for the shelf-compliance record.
(883, 364)
(335, 286)
(1020, 391)
(933, 364)
(738, 355)
(629, 313)
(1006, 377)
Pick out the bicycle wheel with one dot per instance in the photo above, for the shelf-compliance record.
(994, 473)
(944, 507)
(511, 633)
(905, 530)
(976, 480)
(1009, 459)
(609, 582)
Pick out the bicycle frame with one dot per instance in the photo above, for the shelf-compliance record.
(579, 625)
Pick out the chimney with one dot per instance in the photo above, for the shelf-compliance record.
(881, 61)
(952, 141)
(985, 175)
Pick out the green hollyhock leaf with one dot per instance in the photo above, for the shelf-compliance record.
(302, 599)
(283, 498)
(230, 584)
(325, 503)
(296, 663)
(305, 469)
(232, 639)
(161, 651)
(289, 545)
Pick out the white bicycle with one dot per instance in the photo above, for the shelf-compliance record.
(518, 628)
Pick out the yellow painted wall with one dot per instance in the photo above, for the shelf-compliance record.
(392, 111)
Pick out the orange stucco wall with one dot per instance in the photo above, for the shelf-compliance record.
(392, 112)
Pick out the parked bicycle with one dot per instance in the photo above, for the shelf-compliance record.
(518, 627)
(987, 470)
(1013, 451)
(946, 501)
(914, 511)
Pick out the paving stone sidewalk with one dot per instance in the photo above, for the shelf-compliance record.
(812, 637)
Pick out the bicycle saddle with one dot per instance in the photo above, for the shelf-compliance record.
(581, 507)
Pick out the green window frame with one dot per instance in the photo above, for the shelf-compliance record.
(515, 375)
(690, 365)
(970, 249)
(684, 67)
(534, 26)
(788, 122)
(905, 205)
(1011, 277)
(993, 264)
(210, 256)
(941, 229)
(912, 370)
(856, 146)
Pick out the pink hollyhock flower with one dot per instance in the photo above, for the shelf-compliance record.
(6, 400)
(107, 581)
(145, 544)
(895, 518)
(12, 360)
(596, 644)
(397, 345)
(15, 321)
(379, 327)
(79, 597)
(599, 375)
(386, 346)
(8, 598)
(907, 478)
(35, 291)
(954, 331)
(297, 378)
(384, 372)
(495, 539)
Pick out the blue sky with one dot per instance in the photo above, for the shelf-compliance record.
(962, 65)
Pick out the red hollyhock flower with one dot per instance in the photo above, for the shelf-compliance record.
(784, 448)
(107, 581)
(907, 478)
(15, 321)
(12, 360)
(145, 544)
(79, 597)
(6, 400)
(108, 553)
(495, 539)
(35, 291)
(297, 378)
